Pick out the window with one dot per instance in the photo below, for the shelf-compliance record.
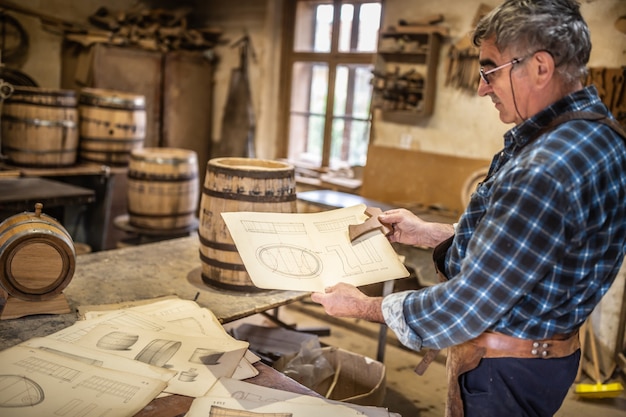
(328, 66)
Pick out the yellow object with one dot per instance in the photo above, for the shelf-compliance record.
(597, 390)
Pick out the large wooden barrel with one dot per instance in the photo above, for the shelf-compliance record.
(238, 184)
(40, 127)
(37, 256)
(163, 188)
(112, 124)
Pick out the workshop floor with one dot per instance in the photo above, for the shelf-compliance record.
(408, 394)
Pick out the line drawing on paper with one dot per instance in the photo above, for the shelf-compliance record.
(335, 225)
(158, 352)
(71, 409)
(54, 370)
(311, 250)
(121, 319)
(19, 391)
(275, 228)
(117, 341)
(290, 261)
(348, 267)
(111, 387)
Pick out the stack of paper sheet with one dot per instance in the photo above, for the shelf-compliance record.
(115, 362)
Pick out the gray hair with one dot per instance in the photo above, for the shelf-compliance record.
(527, 26)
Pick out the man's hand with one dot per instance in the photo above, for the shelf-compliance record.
(345, 300)
(410, 229)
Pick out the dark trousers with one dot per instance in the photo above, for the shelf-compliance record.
(514, 387)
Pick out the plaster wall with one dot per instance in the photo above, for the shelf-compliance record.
(462, 123)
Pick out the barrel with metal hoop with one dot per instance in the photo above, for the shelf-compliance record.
(112, 124)
(40, 127)
(163, 188)
(238, 184)
(37, 256)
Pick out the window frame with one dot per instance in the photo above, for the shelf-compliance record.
(333, 59)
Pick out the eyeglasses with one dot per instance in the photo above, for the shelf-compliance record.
(484, 75)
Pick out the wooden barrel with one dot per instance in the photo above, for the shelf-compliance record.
(40, 127)
(37, 256)
(163, 188)
(238, 184)
(112, 124)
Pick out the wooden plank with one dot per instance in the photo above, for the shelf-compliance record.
(413, 178)
(187, 97)
(134, 71)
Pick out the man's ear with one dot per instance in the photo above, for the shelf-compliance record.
(543, 67)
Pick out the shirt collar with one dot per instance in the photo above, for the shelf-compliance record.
(579, 100)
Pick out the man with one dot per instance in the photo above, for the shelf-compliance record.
(542, 238)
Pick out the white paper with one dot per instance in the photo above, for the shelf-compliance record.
(230, 398)
(311, 251)
(39, 383)
(100, 358)
(199, 361)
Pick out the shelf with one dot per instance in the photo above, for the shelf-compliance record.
(405, 57)
(404, 53)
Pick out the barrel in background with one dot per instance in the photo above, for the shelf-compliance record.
(112, 124)
(163, 188)
(37, 256)
(40, 127)
(238, 184)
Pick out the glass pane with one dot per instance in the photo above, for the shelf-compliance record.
(345, 28)
(314, 21)
(369, 24)
(360, 35)
(351, 113)
(308, 108)
(349, 143)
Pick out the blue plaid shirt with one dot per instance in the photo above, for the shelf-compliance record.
(540, 242)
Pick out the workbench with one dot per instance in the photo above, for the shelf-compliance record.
(170, 267)
(165, 268)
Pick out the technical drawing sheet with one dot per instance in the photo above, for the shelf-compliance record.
(311, 251)
(35, 382)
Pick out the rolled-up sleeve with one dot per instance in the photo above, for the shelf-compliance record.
(393, 314)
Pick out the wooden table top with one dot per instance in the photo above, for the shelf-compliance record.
(166, 268)
(22, 193)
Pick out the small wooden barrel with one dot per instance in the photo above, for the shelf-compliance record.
(37, 256)
(112, 124)
(163, 188)
(238, 184)
(40, 127)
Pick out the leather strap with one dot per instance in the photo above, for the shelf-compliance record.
(498, 345)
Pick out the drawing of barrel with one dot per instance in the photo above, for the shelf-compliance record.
(37, 256)
(158, 352)
(117, 341)
(238, 184)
